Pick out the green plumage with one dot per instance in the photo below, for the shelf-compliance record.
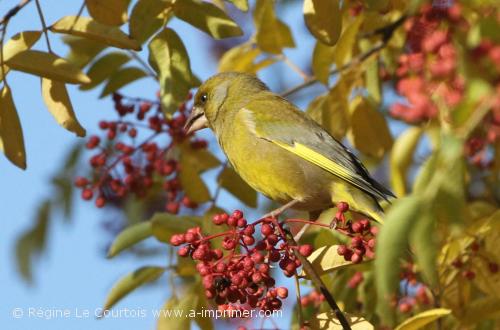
(280, 151)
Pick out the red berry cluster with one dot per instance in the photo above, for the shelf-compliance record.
(430, 68)
(464, 261)
(240, 277)
(361, 233)
(312, 299)
(123, 165)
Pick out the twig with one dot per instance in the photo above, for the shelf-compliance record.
(386, 33)
(142, 63)
(299, 305)
(293, 66)
(13, 11)
(44, 26)
(318, 283)
(2, 38)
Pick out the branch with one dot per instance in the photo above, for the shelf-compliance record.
(386, 32)
(44, 25)
(13, 11)
(318, 283)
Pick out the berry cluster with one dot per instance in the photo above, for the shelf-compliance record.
(361, 233)
(409, 299)
(240, 277)
(124, 165)
(312, 299)
(464, 261)
(428, 73)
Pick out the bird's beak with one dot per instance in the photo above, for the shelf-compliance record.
(195, 121)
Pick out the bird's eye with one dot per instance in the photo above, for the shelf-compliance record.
(203, 98)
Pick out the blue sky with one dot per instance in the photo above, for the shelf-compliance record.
(73, 273)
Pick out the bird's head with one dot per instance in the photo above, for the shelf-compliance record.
(220, 95)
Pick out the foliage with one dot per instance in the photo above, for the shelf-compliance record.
(435, 260)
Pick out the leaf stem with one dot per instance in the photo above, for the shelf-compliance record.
(146, 66)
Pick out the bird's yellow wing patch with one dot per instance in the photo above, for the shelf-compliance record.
(319, 160)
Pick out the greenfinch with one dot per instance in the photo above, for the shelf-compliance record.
(280, 151)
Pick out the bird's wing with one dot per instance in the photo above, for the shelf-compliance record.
(280, 122)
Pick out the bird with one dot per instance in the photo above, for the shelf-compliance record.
(280, 151)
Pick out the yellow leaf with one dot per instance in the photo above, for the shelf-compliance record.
(272, 34)
(207, 17)
(369, 131)
(82, 50)
(86, 27)
(322, 60)
(131, 282)
(346, 43)
(242, 58)
(240, 4)
(104, 67)
(11, 133)
(326, 259)
(402, 157)
(328, 321)
(18, 43)
(57, 100)
(147, 17)
(122, 78)
(233, 183)
(168, 56)
(480, 309)
(109, 12)
(323, 19)
(47, 65)
(420, 320)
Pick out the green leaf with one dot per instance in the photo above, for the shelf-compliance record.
(130, 282)
(11, 132)
(369, 131)
(104, 67)
(423, 240)
(208, 18)
(272, 34)
(57, 100)
(322, 60)
(109, 12)
(122, 78)
(82, 50)
(169, 320)
(422, 319)
(401, 158)
(169, 58)
(323, 19)
(32, 242)
(147, 17)
(47, 65)
(233, 183)
(373, 81)
(130, 236)
(88, 28)
(240, 4)
(243, 58)
(164, 225)
(391, 244)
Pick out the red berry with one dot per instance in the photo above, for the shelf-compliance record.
(237, 214)
(282, 292)
(341, 250)
(493, 266)
(356, 258)
(306, 250)
(177, 239)
(356, 241)
(343, 207)
(357, 227)
(81, 182)
(172, 207)
(87, 194)
(232, 221)
(242, 222)
(100, 202)
(405, 307)
(469, 274)
(266, 229)
(183, 251)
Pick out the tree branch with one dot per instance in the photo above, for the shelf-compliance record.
(44, 26)
(13, 11)
(386, 32)
(318, 283)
